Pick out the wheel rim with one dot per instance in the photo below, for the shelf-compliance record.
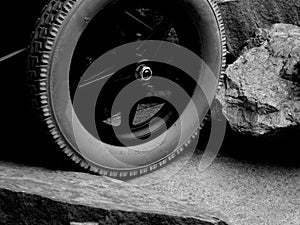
(148, 23)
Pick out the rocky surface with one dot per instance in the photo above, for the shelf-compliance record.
(261, 94)
(243, 17)
(37, 196)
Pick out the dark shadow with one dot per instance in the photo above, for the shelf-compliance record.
(278, 150)
(23, 141)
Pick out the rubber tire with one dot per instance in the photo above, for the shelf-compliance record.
(45, 58)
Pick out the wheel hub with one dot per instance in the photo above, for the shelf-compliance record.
(143, 72)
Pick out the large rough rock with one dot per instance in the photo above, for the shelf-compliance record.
(262, 89)
(37, 196)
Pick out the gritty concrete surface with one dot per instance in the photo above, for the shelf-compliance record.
(243, 193)
(253, 181)
(33, 195)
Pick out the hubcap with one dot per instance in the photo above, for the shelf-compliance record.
(143, 72)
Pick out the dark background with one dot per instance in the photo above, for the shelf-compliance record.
(22, 139)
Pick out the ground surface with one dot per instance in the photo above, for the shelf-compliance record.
(252, 181)
(242, 192)
(241, 189)
(31, 195)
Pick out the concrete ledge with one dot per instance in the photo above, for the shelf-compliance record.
(38, 196)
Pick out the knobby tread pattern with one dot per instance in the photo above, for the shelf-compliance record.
(40, 50)
(214, 4)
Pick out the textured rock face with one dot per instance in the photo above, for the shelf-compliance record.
(243, 17)
(262, 87)
(38, 196)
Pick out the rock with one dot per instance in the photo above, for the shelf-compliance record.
(243, 17)
(261, 94)
(38, 196)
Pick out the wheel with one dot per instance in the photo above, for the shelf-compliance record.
(123, 121)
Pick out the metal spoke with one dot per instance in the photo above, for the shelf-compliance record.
(138, 20)
(90, 81)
